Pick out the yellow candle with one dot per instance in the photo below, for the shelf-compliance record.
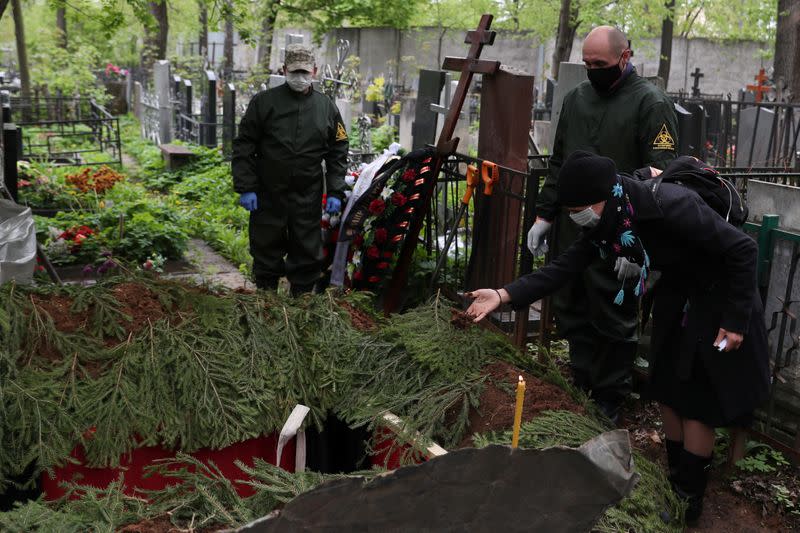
(518, 412)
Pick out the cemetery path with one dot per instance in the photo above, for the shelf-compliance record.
(211, 268)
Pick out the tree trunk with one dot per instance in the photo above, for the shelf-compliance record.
(202, 43)
(794, 86)
(268, 16)
(567, 25)
(22, 50)
(227, 51)
(155, 41)
(61, 25)
(665, 59)
(786, 46)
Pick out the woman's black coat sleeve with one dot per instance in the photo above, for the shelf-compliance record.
(554, 275)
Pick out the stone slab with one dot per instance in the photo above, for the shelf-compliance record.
(752, 144)
(496, 488)
(570, 75)
(176, 156)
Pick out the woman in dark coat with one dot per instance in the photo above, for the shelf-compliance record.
(709, 346)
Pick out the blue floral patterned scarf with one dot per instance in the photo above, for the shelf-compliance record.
(617, 236)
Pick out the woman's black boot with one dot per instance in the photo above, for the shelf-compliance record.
(690, 483)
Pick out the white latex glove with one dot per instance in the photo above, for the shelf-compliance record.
(536, 237)
(626, 270)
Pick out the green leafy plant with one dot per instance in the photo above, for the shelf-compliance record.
(383, 136)
(761, 458)
(786, 499)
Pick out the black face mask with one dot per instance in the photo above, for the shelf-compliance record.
(603, 78)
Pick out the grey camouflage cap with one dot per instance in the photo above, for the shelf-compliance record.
(299, 57)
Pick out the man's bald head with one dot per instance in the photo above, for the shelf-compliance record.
(604, 46)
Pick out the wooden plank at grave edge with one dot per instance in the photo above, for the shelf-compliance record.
(399, 427)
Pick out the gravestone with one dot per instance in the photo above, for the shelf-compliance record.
(686, 130)
(228, 118)
(549, 93)
(208, 132)
(177, 84)
(137, 100)
(445, 99)
(698, 131)
(161, 80)
(570, 75)
(423, 129)
(346, 111)
(752, 139)
(746, 96)
(407, 113)
(769, 199)
(129, 90)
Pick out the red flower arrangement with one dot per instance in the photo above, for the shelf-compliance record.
(377, 206)
(76, 234)
(386, 227)
(399, 199)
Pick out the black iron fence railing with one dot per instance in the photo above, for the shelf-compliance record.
(738, 133)
(68, 131)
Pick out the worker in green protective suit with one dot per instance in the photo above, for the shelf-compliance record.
(284, 137)
(619, 115)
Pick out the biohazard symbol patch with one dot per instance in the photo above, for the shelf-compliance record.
(663, 140)
(341, 134)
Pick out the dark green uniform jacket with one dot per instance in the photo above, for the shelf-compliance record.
(636, 127)
(283, 139)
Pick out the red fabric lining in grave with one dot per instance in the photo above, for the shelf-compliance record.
(133, 465)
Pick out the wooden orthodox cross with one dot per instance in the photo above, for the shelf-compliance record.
(759, 88)
(445, 146)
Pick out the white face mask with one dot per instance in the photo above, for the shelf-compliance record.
(586, 218)
(298, 81)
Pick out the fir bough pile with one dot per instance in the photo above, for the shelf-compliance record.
(141, 361)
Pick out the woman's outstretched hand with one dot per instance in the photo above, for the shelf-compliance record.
(485, 301)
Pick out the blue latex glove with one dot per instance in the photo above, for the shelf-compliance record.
(334, 205)
(249, 201)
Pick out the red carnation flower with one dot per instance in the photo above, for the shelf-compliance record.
(381, 235)
(409, 175)
(358, 241)
(383, 265)
(388, 254)
(358, 275)
(373, 252)
(374, 279)
(398, 199)
(377, 206)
